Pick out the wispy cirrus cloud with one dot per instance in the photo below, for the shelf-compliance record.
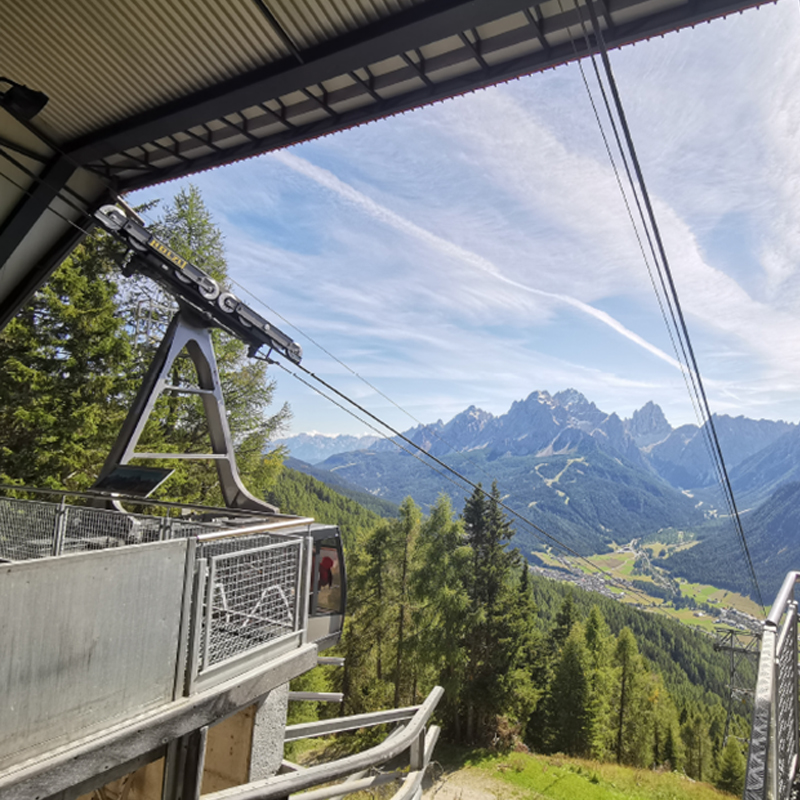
(378, 212)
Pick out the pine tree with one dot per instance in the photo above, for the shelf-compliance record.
(442, 608)
(64, 363)
(365, 642)
(407, 533)
(666, 746)
(518, 642)
(569, 701)
(699, 750)
(631, 715)
(731, 769)
(598, 646)
(491, 655)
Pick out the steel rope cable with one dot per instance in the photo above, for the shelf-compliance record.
(710, 435)
(685, 369)
(84, 213)
(522, 518)
(623, 193)
(396, 433)
(426, 427)
(445, 466)
(682, 327)
(681, 355)
(365, 381)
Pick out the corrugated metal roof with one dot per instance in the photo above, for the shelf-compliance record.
(103, 63)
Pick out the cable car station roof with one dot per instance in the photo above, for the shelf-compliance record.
(147, 91)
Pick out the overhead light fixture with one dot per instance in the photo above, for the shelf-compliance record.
(20, 100)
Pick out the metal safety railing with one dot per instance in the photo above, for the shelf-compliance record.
(413, 735)
(250, 583)
(772, 760)
(252, 597)
(32, 529)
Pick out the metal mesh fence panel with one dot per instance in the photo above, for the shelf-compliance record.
(250, 599)
(27, 529)
(36, 529)
(786, 669)
(89, 528)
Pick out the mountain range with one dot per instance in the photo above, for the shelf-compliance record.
(588, 477)
(758, 453)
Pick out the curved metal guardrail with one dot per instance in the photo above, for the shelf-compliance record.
(773, 756)
(412, 737)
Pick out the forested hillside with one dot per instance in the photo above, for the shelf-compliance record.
(383, 508)
(442, 600)
(773, 536)
(296, 493)
(585, 497)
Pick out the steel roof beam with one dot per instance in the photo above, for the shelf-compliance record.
(33, 279)
(540, 60)
(376, 42)
(51, 182)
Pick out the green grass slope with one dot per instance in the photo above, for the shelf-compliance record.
(519, 776)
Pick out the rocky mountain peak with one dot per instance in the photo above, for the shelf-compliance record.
(571, 397)
(464, 427)
(648, 425)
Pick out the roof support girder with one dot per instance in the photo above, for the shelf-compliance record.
(388, 37)
(34, 278)
(653, 25)
(28, 211)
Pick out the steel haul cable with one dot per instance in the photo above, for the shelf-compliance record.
(665, 275)
(396, 433)
(448, 468)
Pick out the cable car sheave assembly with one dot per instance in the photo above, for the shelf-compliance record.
(193, 287)
(202, 305)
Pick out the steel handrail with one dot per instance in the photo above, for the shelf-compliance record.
(283, 785)
(782, 600)
(264, 527)
(770, 773)
(327, 727)
(145, 501)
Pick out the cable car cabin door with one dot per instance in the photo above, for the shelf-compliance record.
(328, 589)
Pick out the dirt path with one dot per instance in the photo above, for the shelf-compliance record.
(470, 784)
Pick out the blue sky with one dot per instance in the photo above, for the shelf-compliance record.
(476, 250)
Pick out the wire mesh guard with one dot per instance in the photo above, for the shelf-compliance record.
(27, 529)
(786, 669)
(35, 529)
(251, 598)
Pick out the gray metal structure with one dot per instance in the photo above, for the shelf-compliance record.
(125, 637)
(742, 648)
(187, 332)
(147, 91)
(71, 665)
(772, 761)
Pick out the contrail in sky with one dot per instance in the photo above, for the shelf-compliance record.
(327, 179)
